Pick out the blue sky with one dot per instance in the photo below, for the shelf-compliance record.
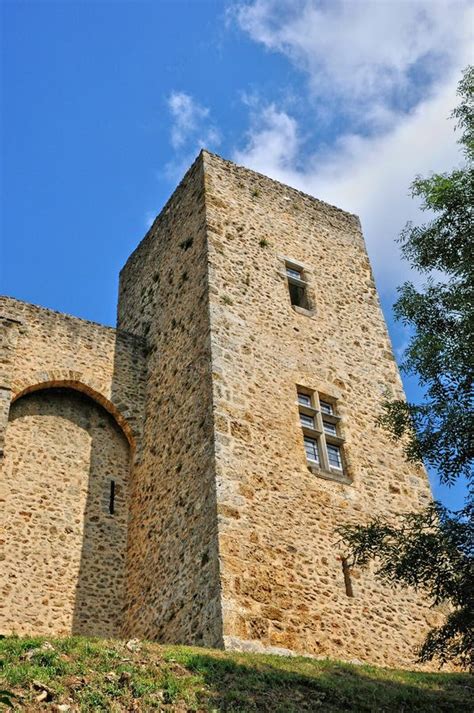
(106, 102)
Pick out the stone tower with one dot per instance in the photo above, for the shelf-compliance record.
(234, 410)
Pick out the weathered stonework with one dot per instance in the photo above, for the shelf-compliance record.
(74, 394)
(281, 571)
(174, 590)
(223, 533)
(65, 560)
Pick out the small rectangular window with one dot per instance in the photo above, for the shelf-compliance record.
(297, 295)
(334, 456)
(326, 407)
(296, 286)
(311, 448)
(307, 421)
(329, 428)
(304, 399)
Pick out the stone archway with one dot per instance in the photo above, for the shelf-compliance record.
(65, 551)
(84, 383)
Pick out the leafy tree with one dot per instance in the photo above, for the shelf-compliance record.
(430, 550)
(434, 549)
(441, 315)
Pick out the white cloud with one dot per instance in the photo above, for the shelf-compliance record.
(191, 121)
(272, 142)
(363, 53)
(362, 50)
(186, 114)
(191, 130)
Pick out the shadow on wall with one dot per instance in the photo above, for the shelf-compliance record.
(68, 463)
(100, 592)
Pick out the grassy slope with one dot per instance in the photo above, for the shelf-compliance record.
(95, 675)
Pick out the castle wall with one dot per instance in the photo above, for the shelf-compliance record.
(282, 580)
(40, 347)
(64, 565)
(72, 394)
(174, 585)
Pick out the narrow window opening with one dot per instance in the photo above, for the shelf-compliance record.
(346, 570)
(298, 295)
(329, 428)
(304, 399)
(334, 456)
(307, 421)
(112, 497)
(326, 407)
(311, 448)
(297, 287)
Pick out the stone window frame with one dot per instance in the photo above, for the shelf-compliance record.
(287, 263)
(322, 467)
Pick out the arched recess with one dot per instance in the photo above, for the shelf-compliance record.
(66, 524)
(78, 382)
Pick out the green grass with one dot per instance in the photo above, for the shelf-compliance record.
(97, 675)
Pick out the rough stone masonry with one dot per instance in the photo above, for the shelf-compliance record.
(181, 477)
